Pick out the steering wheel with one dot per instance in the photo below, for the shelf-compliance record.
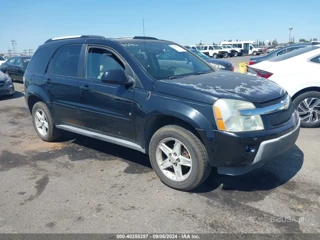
(169, 70)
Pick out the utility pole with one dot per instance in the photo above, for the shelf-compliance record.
(143, 27)
(290, 29)
(13, 46)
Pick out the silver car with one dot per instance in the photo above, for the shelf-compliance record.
(6, 85)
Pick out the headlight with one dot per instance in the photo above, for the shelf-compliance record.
(217, 66)
(228, 118)
(8, 80)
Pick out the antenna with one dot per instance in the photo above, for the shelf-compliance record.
(143, 27)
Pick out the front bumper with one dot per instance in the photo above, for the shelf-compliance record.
(7, 91)
(236, 154)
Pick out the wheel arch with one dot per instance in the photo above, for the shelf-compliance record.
(157, 121)
(304, 90)
(34, 95)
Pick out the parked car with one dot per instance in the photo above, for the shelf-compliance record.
(297, 72)
(15, 67)
(276, 52)
(2, 59)
(184, 114)
(217, 63)
(6, 85)
(213, 52)
(234, 51)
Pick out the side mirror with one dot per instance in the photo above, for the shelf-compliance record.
(116, 76)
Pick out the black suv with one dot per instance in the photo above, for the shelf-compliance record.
(186, 116)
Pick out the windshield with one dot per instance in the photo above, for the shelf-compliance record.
(255, 45)
(163, 60)
(217, 47)
(200, 54)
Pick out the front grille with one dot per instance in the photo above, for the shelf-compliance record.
(279, 117)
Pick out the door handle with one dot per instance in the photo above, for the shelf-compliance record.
(48, 81)
(85, 88)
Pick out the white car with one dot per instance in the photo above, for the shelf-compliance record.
(298, 73)
(2, 60)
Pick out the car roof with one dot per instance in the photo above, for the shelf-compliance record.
(83, 38)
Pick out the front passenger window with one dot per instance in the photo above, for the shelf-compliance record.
(100, 61)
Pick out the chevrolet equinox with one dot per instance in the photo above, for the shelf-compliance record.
(156, 97)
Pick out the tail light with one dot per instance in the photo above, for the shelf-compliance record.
(264, 74)
(252, 62)
(261, 73)
(232, 69)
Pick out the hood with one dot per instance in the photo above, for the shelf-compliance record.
(207, 88)
(220, 62)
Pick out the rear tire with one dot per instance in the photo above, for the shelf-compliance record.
(226, 55)
(215, 55)
(190, 150)
(235, 54)
(308, 107)
(43, 123)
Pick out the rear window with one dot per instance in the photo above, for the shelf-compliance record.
(292, 54)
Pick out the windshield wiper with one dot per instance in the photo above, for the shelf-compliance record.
(199, 73)
(176, 76)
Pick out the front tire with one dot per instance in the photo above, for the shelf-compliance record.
(226, 55)
(308, 108)
(179, 158)
(254, 53)
(215, 55)
(43, 122)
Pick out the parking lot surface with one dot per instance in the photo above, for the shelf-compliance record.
(84, 185)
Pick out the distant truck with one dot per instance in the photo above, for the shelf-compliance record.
(248, 47)
(213, 51)
(234, 50)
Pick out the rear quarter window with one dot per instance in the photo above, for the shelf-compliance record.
(292, 54)
(315, 59)
(40, 60)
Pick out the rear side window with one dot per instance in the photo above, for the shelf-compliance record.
(39, 60)
(316, 59)
(292, 54)
(65, 61)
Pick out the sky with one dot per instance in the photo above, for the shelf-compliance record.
(31, 22)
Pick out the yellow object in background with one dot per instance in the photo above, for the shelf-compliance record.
(243, 67)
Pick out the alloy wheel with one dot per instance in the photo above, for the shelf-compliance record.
(174, 159)
(41, 122)
(309, 110)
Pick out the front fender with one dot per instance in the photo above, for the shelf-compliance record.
(198, 115)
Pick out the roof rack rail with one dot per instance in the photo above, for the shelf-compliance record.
(71, 37)
(143, 37)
